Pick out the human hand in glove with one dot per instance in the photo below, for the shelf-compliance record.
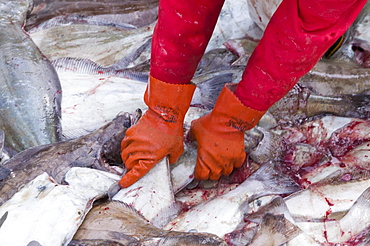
(220, 135)
(159, 132)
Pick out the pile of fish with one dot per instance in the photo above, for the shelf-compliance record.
(72, 80)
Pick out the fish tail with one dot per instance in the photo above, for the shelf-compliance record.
(211, 88)
(358, 211)
(271, 181)
(274, 230)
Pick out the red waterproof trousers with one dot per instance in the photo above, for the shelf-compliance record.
(297, 36)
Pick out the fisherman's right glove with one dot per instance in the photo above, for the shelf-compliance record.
(220, 135)
(159, 132)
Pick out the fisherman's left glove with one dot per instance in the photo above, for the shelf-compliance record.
(159, 132)
(220, 135)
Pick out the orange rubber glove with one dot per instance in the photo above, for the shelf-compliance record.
(220, 135)
(159, 132)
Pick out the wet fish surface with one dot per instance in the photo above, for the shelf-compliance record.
(152, 195)
(30, 91)
(47, 9)
(56, 159)
(117, 221)
(222, 214)
(49, 213)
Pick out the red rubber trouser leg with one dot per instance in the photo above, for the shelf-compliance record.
(181, 36)
(297, 36)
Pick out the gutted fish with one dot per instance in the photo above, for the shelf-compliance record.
(222, 214)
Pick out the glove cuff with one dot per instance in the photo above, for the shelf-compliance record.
(230, 113)
(168, 101)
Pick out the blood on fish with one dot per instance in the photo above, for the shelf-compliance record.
(347, 177)
(328, 202)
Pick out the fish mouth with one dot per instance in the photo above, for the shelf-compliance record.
(361, 53)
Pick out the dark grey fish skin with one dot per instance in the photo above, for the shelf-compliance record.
(138, 9)
(92, 150)
(334, 78)
(34, 243)
(98, 242)
(30, 91)
(3, 218)
(117, 221)
(301, 103)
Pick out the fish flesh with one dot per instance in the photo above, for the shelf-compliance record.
(324, 146)
(30, 91)
(117, 221)
(93, 150)
(222, 214)
(50, 213)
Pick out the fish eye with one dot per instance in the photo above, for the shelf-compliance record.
(357, 48)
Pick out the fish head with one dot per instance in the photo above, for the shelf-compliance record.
(110, 139)
(361, 52)
(356, 44)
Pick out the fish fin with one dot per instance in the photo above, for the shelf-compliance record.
(271, 181)
(359, 210)
(113, 190)
(211, 88)
(95, 242)
(2, 141)
(122, 206)
(276, 206)
(86, 66)
(166, 215)
(274, 230)
(34, 243)
(191, 239)
(3, 218)
(76, 65)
